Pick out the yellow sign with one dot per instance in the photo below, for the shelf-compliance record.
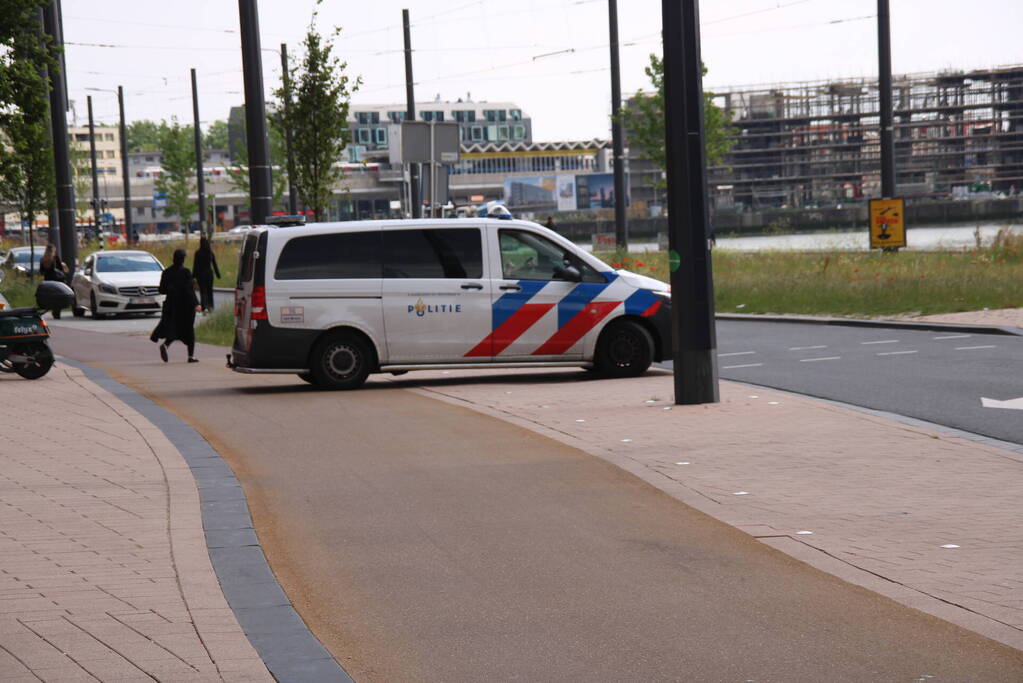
(887, 223)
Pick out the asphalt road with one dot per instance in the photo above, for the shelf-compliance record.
(422, 541)
(940, 377)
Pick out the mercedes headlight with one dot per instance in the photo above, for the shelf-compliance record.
(107, 289)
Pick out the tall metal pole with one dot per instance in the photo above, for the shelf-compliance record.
(692, 288)
(621, 226)
(286, 78)
(95, 176)
(433, 169)
(129, 230)
(410, 115)
(884, 88)
(53, 233)
(58, 122)
(260, 189)
(200, 180)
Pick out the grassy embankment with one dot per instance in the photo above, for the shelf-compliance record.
(858, 284)
(836, 283)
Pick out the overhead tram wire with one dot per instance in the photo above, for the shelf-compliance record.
(646, 39)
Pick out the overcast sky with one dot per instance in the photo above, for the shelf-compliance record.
(550, 57)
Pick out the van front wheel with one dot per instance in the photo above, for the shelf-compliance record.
(624, 349)
(340, 361)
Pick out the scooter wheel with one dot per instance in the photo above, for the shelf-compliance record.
(42, 360)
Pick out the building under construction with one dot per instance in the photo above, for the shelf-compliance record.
(817, 143)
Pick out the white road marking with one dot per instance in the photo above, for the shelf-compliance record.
(954, 336)
(883, 341)
(811, 360)
(967, 348)
(806, 348)
(895, 353)
(747, 365)
(1011, 404)
(736, 353)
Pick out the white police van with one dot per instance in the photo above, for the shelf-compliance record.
(334, 302)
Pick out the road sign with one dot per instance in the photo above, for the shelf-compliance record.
(887, 223)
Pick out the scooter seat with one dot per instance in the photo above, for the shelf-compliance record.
(25, 312)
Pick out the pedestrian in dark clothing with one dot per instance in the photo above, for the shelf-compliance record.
(52, 268)
(177, 321)
(204, 266)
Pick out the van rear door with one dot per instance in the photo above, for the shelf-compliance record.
(250, 286)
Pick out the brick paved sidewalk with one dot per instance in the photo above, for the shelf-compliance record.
(868, 499)
(104, 571)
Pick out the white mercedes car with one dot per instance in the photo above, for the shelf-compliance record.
(118, 281)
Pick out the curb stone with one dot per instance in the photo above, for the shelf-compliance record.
(281, 639)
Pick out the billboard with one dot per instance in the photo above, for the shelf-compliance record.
(537, 193)
(566, 193)
(595, 191)
(561, 193)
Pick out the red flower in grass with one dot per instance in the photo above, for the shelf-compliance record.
(640, 264)
(616, 265)
(890, 279)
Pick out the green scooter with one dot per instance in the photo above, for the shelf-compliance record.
(23, 334)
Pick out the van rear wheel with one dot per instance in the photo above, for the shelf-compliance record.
(341, 361)
(625, 349)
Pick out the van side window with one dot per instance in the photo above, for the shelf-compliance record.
(433, 253)
(350, 255)
(528, 256)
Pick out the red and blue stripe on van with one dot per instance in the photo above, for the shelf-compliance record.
(578, 313)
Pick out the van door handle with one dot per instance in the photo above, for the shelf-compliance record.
(514, 288)
(472, 285)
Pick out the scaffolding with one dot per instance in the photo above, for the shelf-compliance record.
(817, 142)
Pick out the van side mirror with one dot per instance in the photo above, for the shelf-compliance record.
(570, 273)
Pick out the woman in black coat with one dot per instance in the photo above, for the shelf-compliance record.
(52, 268)
(177, 322)
(204, 265)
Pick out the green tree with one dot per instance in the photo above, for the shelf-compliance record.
(317, 119)
(81, 174)
(144, 135)
(216, 135)
(643, 119)
(177, 169)
(26, 152)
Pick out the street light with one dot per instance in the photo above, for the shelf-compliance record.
(129, 232)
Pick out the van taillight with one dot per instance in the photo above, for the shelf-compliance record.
(258, 304)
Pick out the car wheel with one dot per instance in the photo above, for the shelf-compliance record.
(93, 307)
(625, 349)
(77, 310)
(341, 361)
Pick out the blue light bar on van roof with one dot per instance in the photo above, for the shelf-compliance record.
(285, 221)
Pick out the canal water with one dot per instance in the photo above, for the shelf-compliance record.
(922, 237)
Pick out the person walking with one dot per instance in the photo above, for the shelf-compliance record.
(53, 269)
(204, 266)
(177, 321)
